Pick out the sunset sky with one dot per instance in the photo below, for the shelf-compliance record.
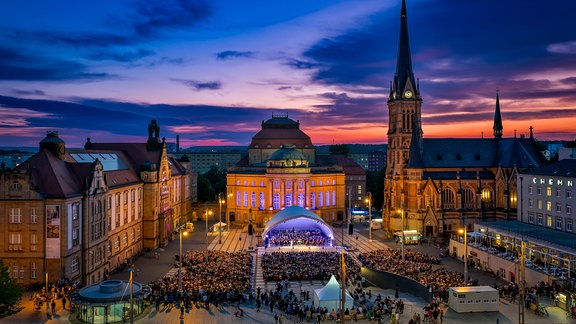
(211, 71)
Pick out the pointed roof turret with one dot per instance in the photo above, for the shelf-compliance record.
(497, 119)
(404, 73)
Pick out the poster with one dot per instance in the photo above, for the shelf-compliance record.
(53, 230)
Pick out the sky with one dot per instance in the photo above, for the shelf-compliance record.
(211, 71)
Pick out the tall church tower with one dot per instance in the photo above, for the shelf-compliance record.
(404, 114)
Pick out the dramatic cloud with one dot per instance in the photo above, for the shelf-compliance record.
(200, 85)
(234, 54)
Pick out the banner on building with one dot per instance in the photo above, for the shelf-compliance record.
(53, 230)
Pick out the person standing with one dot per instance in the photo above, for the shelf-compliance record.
(64, 302)
(53, 305)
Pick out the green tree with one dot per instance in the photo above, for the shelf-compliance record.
(339, 149)
(10, 293)
(375, 184)
(205, 189)
(217, 179)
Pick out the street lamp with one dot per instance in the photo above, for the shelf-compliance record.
(185, 233)
(207, 212)
(369, 201)
(228, 197)
(401, 211)
(464, 231)
(220, 202)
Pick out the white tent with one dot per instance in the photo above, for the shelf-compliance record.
(330, 296)
(219, 226)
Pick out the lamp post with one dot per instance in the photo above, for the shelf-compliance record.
(131, 312)
(228, 197)
(181, 232)
(220, 202)
(401, 210)
(369, 201)
(206, 213)
(464, 231)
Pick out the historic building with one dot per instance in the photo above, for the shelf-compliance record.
(283, 170)
(440, 184)
(80, 213)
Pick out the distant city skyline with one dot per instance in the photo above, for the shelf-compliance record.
(211, 71)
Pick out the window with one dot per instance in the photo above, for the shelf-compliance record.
(15, 215)
(548, 205)
(245, 199)
(548, 220)
(539, 204)
(253, 199)
(262, 201)
(76, 211)
(548, 191)
(568, 209)
(238, 199)
(14, 241)
(75, 264)
(559, 223)
(301, 199)
(288, 201)
(33, 273)
(568, 225)
(448, 198)
(320, 200)
(16, 186)
(530, 189)
(33, 242)
(569, 193)
(327, 198)
(75, 236)
(558, 192)
(540, 220)
(334, 197)
(558, 207)
(276, 201)
(33, 216)
(531, 218)
(117, 243)
(132, 235)
(530, 203)
(313, 200)
(539, 190)
(468, 197)
(117, 199)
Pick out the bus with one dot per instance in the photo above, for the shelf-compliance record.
(410, 237)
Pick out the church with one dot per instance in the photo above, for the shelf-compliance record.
(439, 185)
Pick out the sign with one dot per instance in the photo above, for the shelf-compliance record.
(53, 229)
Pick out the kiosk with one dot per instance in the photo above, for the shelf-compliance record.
(473, 299)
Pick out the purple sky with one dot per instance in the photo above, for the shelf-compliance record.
(212, 70)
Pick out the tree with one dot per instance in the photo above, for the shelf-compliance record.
(205, 190)
(10, 293)
(339, 149)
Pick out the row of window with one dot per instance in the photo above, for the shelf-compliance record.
(559, 223)
(549, 204)
(259, 200)
(549, 190)
(289, 183)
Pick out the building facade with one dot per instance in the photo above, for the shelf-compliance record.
(547, 196)
(282, 170)
(437, 185)
(79, 214)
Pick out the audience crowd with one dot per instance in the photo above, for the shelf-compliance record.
(216, 277)
(277, 266)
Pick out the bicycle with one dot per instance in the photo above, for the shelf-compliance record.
(541, 311)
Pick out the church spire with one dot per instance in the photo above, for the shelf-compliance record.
(497, 119)
(404, 76)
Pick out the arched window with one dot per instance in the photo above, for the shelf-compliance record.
(253, 199)
(487, 198)
(448, 199)
(288, 201)
(301, 200)
(262, 201)
(468, 198)
(276, 201)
